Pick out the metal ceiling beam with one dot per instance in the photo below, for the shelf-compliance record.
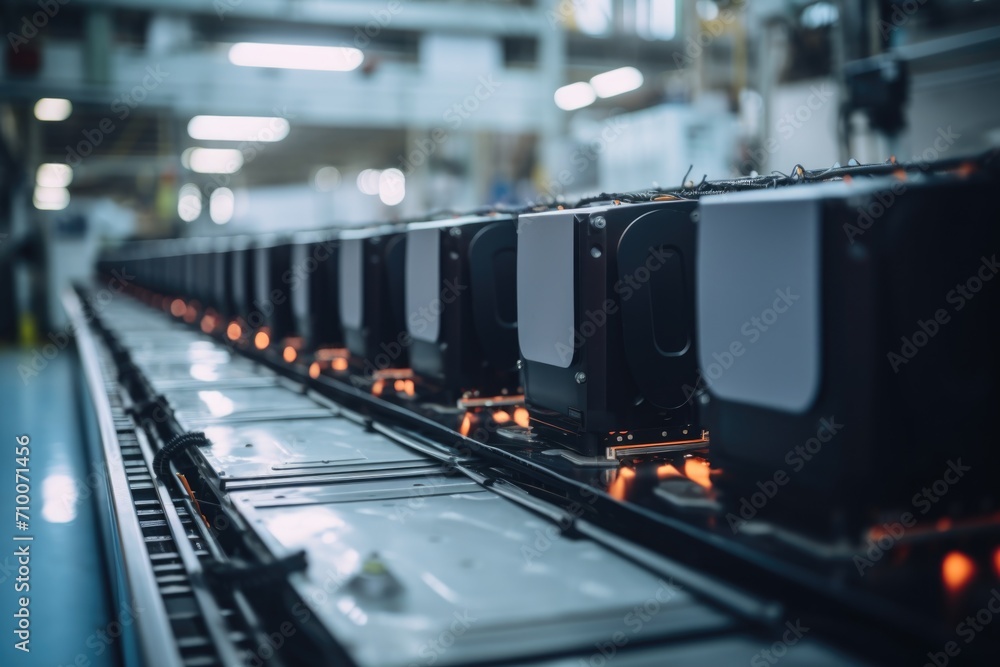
(409, 15)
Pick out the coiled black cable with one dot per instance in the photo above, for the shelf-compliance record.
(176, 445)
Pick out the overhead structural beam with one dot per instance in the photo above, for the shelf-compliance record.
(407, 15)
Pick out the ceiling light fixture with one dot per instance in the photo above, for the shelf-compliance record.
(296, 56)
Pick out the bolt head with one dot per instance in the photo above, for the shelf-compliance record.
(580, 377)
(520, 364)
(599, 222)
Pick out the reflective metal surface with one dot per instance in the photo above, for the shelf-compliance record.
(462, 561)
(205, 407)
(301, 450)
(166, 374)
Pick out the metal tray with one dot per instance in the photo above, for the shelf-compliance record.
(202, 351)
(166, 374)
(294, 451)
(468, 575)
(198, 408)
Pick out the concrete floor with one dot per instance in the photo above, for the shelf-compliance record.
(72, 622)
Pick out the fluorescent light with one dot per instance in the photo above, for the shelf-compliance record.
(663, 19)
(391, 187)
(592, 17)
(707, 10)
(212, 160)
(368, 181)
(294, 56)
(51, 199)
(616, 82)
(237, 128)
(189, 202)
(819, 15)
(575, 96)
(326, 178)
(53, 108)
(221, 205)
(54, 175)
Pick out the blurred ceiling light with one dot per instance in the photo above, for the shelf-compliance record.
(295, 56)
(575, 96)
(221, 205)
(326, 179)
(616, 82)
(368, 181)
(707, 10)
(592, 17)
(820, 15)
(391, 187)
(54, 175)
(53, 108)
(51, 199)
(189, 202)
(212, 160)
(238, 128)
(663, 19)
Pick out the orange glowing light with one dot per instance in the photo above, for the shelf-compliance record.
(667, 470)
(207, 324)
(943, 524)
(697, 471)
(466, 424)
(314, 370)
(289, 354)
(996, 561)
(957, 571)
(378, 387)
(521, 417)
(469, 402)
(409, 388)
(501, 416)
(619, 488)
(340, 364)
(328, 353)
(393, 373)
(399, 385)
(191, 314)
(178, 307)
(261, 340)
(233, 331)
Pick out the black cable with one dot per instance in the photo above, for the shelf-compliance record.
(256, 575)
(140, 409)
(176, 445)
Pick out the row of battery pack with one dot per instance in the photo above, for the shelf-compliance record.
(464, 575)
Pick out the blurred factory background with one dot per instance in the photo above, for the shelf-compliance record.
(149, 118)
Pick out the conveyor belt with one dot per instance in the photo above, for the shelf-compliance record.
(415, 555)
(160, 544)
